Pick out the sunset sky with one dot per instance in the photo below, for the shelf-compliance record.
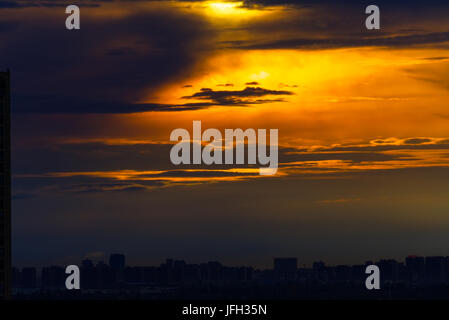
(363, 122)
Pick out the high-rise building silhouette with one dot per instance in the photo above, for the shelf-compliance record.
(285, 268)
(117, 264)
(117, 261)
(5, 187)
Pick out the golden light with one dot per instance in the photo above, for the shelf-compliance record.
(226, 8)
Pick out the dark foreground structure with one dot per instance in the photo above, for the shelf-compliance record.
(5, 187)
(416, 278)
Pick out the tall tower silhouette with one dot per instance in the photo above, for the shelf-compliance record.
(5, 187)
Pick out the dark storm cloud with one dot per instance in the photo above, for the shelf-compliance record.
(347, 3)
(182, 107)
(68, 104)
(237, 97)
(436, 58)
(412, 144)
(94, 156)
(87, 72)
(314, 43)
(74, 105)
(31, 164)
(9, 4)
(417, 140)
(60, 104)
(90, 157)
(334, 24)
(90, 70)
(289, 155)
(48, 3)
(109, 186)
(202, 174)
(97, 168)
(27, 188)
(247, 3)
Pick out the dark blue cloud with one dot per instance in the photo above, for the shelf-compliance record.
(90, 71)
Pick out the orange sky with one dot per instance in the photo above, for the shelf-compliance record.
(340, 96)
(362, 118)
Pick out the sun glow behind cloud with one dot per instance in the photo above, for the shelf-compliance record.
(334, 92)
(225, 7)
(337, 94)
(230, 9)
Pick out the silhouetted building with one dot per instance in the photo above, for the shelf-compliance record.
(15, 275)
(28, 277)
(117, 261)
(105, 275)
(117, 264)
(87, 263)
(416, 268)
(358, 274)
(178, 279)
(319, 265)
(89, 277)
(53, 277)
(436, 269)
(5, 188)
(342, 273)
(388, 270)
(285, 268)
(320, 272)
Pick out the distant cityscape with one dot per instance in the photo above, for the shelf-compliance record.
(416, 277)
